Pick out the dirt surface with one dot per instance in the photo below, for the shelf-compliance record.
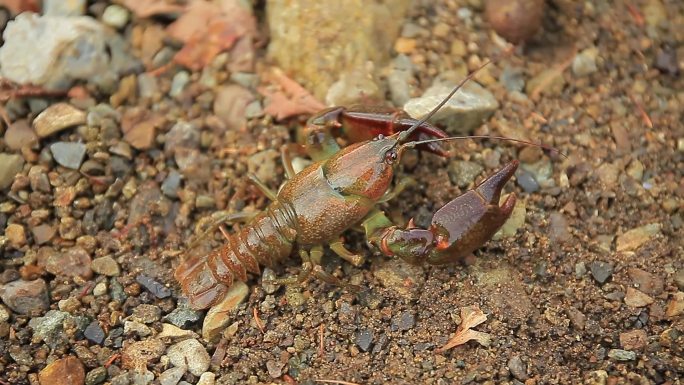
(589, 288)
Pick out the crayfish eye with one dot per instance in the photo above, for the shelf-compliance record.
(391, 156)
(379, 137)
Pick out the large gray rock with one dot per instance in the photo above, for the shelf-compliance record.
(319, 41)
(464, 111)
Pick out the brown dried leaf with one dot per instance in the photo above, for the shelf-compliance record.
(471, 316)
(18, 6)
(290, 100)
(148, 8)
(209, 28)
(199, 51)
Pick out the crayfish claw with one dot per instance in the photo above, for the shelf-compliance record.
(458, 228)
(490, 188)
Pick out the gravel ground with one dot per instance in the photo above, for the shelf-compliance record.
(105, 181)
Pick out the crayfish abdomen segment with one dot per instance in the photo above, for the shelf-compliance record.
(268, 238)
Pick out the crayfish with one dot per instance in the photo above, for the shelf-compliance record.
(340, 190)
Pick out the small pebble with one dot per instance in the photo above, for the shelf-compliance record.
(10, 166)
(56, 118)
(69, 305)
(20, 134)
(171, 184)
(25, 297)
(675, 306)
(636, 298)
(527, 181)
(364, 339)
(207, 378)
(645, 281)
(106, 266)
(4, 314)
(182, 316)
(100, 289)
(67, 154)
(679, 279)
(512, 79)
(267, 278)
(600, 270)
(517, 368)
(633, 340)
(180, 79)
(160, 291)
(404, 321)
(172, 376)
(72, 262)
(405, 45)
(218, 317)
(622, 355)
(96, 376)
(634, 238)
(139, 353)
(134, 327)
(94, 333)
(274, 368)
(585, 62)
(191, 354)
(146, 313)
(65, 371)
(115, 16)
(16, 235)
(463, 173)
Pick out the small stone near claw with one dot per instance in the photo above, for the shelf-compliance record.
(218, 317)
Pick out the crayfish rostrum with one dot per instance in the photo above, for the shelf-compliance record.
(339, 190)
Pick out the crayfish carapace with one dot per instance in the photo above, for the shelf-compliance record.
(340, 190)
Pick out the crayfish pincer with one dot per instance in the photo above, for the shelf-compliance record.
(340, 190)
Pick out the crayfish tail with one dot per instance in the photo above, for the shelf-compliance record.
(199, 283)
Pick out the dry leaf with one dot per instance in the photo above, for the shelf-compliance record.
(199, 51)
(209, 28)
(148, 8)
(471, 316)
(290, 100)
(18, 6)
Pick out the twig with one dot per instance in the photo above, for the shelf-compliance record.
(111, 360)
(644, 115)
(257, 321)
(636, 14)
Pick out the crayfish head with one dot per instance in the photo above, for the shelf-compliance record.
(363, 169)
